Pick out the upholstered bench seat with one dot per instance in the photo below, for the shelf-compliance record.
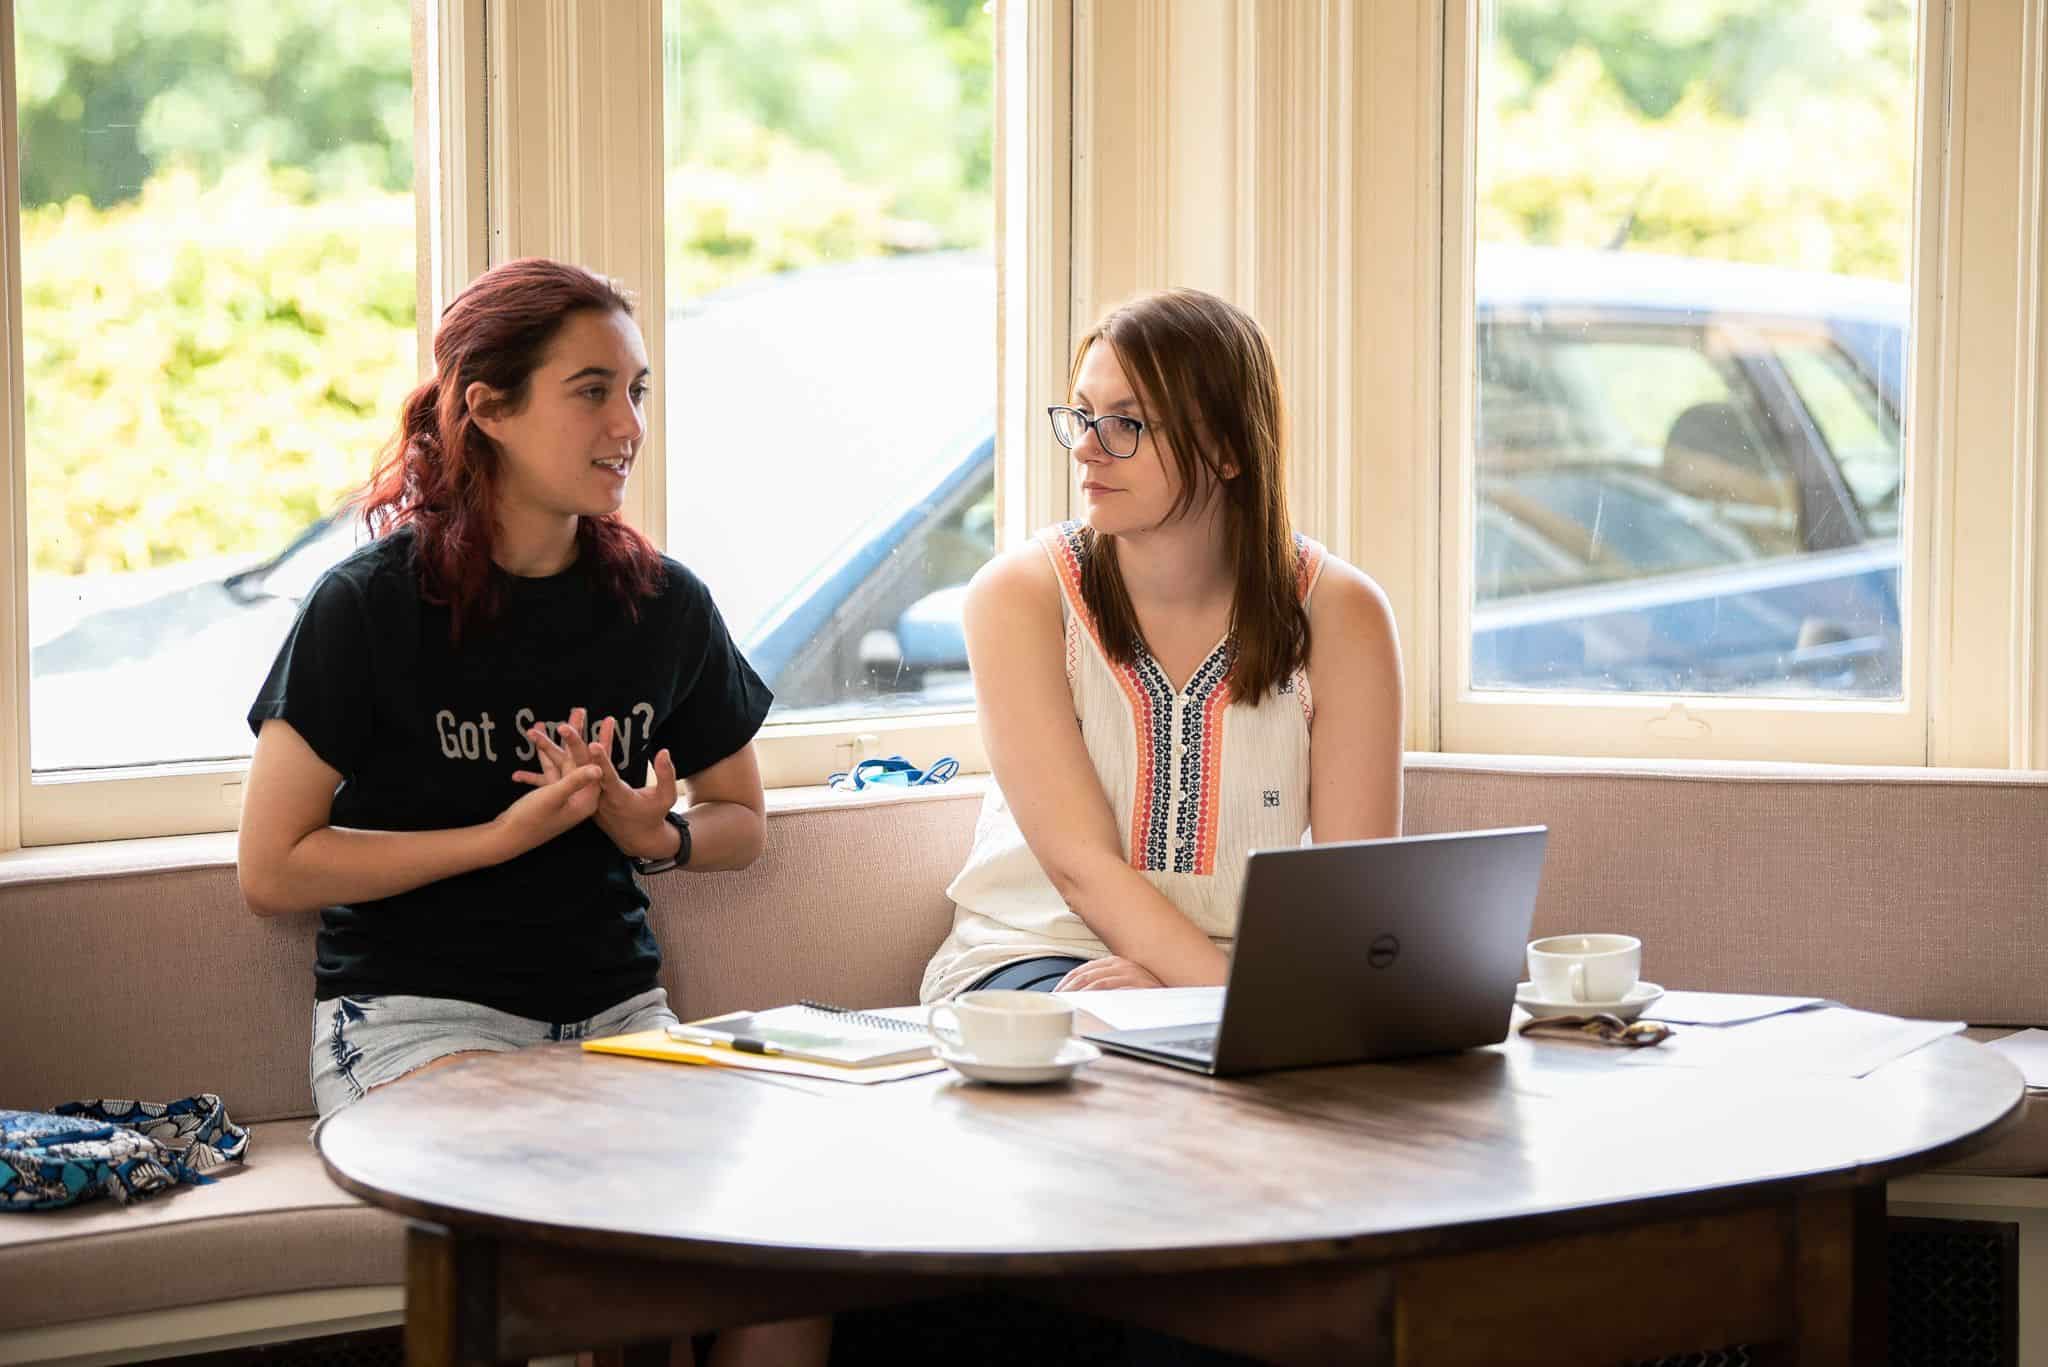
(2021, 1149)
(273, 1224)
(1906, 891)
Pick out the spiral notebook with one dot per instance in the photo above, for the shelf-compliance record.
(818, 1033)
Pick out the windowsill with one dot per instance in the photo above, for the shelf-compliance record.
(167, 853)
(1719, 770)
(116, 858)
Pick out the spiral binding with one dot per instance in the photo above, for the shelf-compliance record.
(873, 1022)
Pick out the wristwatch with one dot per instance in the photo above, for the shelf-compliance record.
(676, 860)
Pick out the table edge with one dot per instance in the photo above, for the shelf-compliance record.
(1378, 1246)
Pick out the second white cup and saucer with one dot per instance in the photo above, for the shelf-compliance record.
(1584, 975)
(1008, 1037)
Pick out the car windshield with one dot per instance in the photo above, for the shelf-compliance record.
(1592, 523)
(830, 474)
(822, 400)
(1625, 446)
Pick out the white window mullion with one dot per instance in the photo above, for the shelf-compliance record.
(1034, 204)
(1338, 109)
(14, 755)
(1991, 567)
(2030, 484)
(575, 131)
(449, 131)
(1286, 160)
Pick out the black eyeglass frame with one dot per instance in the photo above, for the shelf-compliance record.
(1093, 424)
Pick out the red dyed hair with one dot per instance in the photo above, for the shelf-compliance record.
(440, 474)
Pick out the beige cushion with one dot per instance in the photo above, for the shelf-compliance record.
(2022, 1149)
(846, 906)
(1907, 891)
(1916, 892)
(275, 1224)
(1911, 891)
(154, 985)
(153, 981)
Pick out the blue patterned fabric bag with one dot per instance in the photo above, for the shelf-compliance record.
(122, 1149)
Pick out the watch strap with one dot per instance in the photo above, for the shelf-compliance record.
(676, 860)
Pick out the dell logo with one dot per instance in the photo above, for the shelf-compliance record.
(1383, 952)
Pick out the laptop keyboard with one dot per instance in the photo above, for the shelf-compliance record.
(1204, 1043)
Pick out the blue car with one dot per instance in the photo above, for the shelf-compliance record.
(1687, 479)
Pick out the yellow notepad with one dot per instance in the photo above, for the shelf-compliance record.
(656, 1044)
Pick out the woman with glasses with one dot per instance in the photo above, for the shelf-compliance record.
(468, 748)
(1169, 682)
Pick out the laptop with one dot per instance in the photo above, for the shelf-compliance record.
(1366, 950)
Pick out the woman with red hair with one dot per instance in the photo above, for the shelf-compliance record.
(447, 743)
(468, 749)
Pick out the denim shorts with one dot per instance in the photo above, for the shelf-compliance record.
(1028, 975)
(364, 1042)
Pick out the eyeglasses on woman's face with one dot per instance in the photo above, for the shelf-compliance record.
(1118, 434)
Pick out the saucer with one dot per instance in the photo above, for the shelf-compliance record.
(1073, 1054)
(1628, 1008)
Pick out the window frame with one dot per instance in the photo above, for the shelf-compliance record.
(535, 136)
(1301, 160)
(194, 797)
(14, 487)
(1665, 725)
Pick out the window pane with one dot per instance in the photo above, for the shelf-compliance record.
(1858, 429)
(218, 308)
(1690, 315)
(831, 336)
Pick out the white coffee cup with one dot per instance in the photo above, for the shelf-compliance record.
(1585, 968)
(1003, 1027)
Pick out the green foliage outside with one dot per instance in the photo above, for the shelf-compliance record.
(112, 92)
(1765, 131)
(218, 242)
(218, 234)
(208, 370)
(801, 134)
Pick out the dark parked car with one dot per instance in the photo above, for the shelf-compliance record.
(1687, 478)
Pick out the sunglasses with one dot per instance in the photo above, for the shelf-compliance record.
(1603, 1027)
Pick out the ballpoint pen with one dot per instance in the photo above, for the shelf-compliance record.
(745, 1044)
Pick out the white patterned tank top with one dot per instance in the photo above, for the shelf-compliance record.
(1197, 779)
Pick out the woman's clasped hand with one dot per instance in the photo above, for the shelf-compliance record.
(636, 819)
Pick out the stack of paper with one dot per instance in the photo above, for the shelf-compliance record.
(1834, 1041)
(2028, 1050)
(1136, 1008)
(1723, 1008)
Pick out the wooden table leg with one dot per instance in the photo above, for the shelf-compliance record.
(451, 1313)
(1873, 1275)
(654, 1353)
(1837, 1287)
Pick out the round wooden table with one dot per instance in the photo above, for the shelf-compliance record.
(1541, 1194)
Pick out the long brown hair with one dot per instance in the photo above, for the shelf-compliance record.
(440, 473)
(1204, 374)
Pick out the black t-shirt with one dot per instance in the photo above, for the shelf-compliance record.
(427, 734)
